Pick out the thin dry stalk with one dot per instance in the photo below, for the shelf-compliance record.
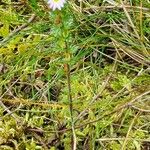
(129, 130)
(121, 139)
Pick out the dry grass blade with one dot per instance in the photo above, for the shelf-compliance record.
(129, 130)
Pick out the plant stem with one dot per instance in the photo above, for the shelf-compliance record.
(73, 136)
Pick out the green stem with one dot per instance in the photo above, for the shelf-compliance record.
(73, 137)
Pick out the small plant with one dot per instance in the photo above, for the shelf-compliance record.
(74, 75)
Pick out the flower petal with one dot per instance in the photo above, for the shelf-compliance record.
(53, 4)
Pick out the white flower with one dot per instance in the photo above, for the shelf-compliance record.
(56, 4)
